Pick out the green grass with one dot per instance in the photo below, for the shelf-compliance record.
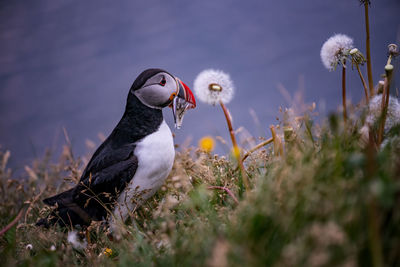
(331, 200)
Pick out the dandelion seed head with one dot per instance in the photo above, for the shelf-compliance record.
(393, 112)
(53, 248)
(29, 247)
(212, 86)
(75, 242)
(334, 50)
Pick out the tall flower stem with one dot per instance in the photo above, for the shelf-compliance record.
(385, 100)
(235, 146)
(363, 83)
(368, 48)
(344, 92)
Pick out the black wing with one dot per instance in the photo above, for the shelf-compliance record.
(106, 175)
(106, 156)
(113, 170)
(113, 167)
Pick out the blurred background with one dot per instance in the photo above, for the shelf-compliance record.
(71, 63)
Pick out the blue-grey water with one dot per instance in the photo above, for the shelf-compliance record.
(71, 63)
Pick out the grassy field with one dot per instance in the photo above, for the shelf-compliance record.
(332, 199)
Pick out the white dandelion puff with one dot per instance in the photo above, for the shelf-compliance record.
(335, 50)
(75, 242)
(374, 114)
(29, 247)
(53, 248)
(212, 86)
(375, 109)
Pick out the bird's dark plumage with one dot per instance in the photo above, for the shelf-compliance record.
(111, 167)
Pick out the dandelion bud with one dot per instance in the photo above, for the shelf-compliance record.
(357, 57)
(389, 67)
(353, 51)
(393, 49)
(380, 86)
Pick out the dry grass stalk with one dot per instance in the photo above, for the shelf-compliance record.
(278, 147)
(260, 145)
(227, 190)
(11, 224)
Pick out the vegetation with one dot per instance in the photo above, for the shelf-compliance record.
(329, 200)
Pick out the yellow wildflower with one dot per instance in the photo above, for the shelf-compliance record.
(206, 144)
(236, 152)
(108, 252)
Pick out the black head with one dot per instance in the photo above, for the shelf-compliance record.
(157, 88)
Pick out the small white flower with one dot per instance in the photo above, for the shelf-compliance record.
(335, 50)
(74, 241)
(53, 248)
(212, 86)
(375, 108)
(29, 247)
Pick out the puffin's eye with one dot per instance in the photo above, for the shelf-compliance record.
(163, 81)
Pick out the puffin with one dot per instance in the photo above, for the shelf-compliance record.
(133, 162)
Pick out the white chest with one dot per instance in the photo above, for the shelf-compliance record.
(155, 155)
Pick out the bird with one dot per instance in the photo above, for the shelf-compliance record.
(134, 160)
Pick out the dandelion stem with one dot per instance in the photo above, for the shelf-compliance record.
(385, 100)
(235, 146)
(344, 93)
(260, 145)
(363, 83)
(368, 48)
(389, 61)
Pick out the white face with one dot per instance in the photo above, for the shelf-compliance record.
(158, 91)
